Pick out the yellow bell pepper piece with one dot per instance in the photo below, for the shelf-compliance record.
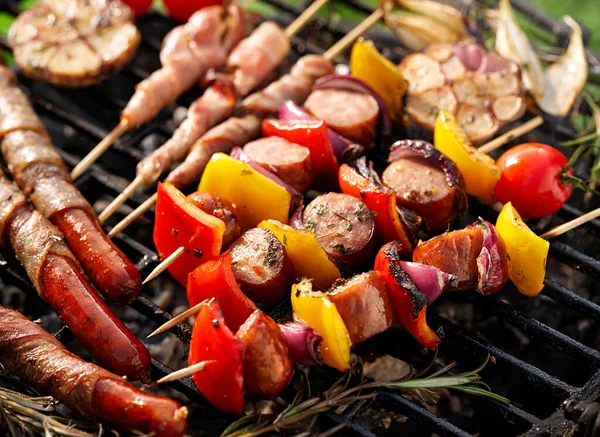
(480, 172)
(306, 254)
(320, 314)
(370, 66)
(256, 197)
(527, 253)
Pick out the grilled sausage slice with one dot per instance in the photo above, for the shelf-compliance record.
(221, 209)
(261, 266)
(267, 363)
(40, 360)
(74, 43)
(364, 305)
(351, 114)
(343, 225)
(289, 161)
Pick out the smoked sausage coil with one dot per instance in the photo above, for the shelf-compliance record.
(39, 359)
(59, 280)
(39, 171)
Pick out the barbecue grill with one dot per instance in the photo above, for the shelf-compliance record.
(544, 350)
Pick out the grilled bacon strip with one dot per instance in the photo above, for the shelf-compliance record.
(251, 61)
(188, 53)
(59, 280)
(40, 172)
(295, 86)
(74, 43)
(39, 359)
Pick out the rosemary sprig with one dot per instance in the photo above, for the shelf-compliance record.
(341, 394)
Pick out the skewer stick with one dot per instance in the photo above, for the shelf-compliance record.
(351, 36)
(186, 371)
(304, 18)
(511, 135)
(120, 199)
(165, 264)
(566, 227)
(97, 151)
(178, 319)
(133, 216)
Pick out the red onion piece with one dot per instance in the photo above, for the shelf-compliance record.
(492, 262)
(239, 154)
(471, 55)
(343, 148)
(492, 63)
(351, 83)
(430, 280)
(303, 342)
(296, 220)
(418, 148)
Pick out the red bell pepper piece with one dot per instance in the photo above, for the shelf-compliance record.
(214, 279)
(222, 381)
(410, 303)
(380, 200)
(181, 223)
(314, 136)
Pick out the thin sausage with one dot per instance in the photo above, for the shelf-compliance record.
(351, 114)
(221, 209)
(261, 266)
(289, 161)
(343, 225)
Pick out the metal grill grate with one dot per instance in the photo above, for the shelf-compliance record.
(538, 362)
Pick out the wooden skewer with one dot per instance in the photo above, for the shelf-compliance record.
(165, 264)
(187, 371)
(118, 201)
(336, 49)
(566, 227)
(511, 135)
(178, 319)
(97, 151)
(304, 18)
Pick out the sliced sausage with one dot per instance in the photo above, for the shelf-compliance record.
(267, 363)
(455, 253)
(364, 305)
(261, 266)
(221, 209)
(289, 161)
(351, 114)
(343, 225)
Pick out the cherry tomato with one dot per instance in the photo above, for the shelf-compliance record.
(183, 9)
(531, 179)
(139, 7)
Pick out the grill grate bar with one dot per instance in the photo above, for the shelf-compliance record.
(571, 300)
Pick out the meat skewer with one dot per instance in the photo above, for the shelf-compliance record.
(39, 359)
(295, 86)
(188, 53)
(237, 131)
(38, 169)
(59, 280)
(250, 62)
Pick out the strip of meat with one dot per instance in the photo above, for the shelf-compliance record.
(364, 304)
(267, 363)
(40, 172)
(351, 114)
(40, 360)
(189, 52)
(222, 209)
(73, 43)
(288, 161)
(57, 277)
(343, 225)
(261, 266)
(295, 86)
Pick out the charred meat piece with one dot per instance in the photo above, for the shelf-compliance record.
(74, 43)
(364, 305)
(39, 359)
(343, 225)
(351, 114)
(221, 209)
(261, 266)
(426, 182)
(267, 363)
(289, 161)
